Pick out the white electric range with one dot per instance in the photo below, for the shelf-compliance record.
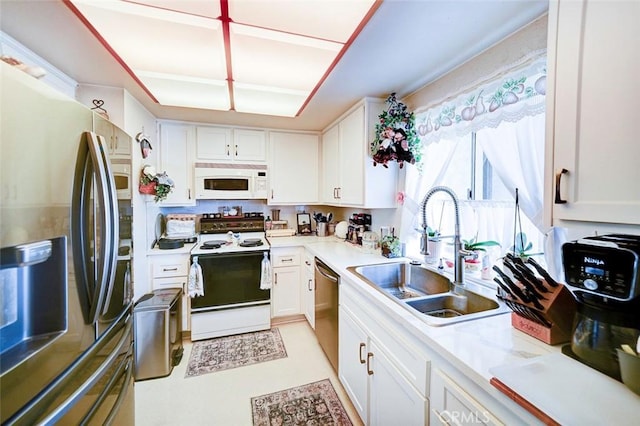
(230, 252)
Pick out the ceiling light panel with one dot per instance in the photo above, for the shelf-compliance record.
(209, 9)
(160, 40)
(268, 58)
(267, 100)
(177, 90)
(325, 19)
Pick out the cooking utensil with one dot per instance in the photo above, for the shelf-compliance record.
(543, 273)
(520, 277)
(512, 286)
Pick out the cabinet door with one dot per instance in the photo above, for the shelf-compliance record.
(308, 290)
(393, 400)
(285, 291)
(595, 61)
(176, 159)
(293, 168)
(331, 165)
(352, 355)
(249, 145)
(451, 405)
(351, 158)
(121, 144)
(213, 143)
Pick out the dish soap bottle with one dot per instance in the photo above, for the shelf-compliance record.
(267, 223)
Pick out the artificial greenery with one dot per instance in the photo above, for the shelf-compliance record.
(474, 245)
(390, 246)
(396, 136)
(162, 184)
(521, 247)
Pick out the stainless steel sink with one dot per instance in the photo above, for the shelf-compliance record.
(429, 295)
(403, 280)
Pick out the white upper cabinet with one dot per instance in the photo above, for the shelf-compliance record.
(348, 175)
(592, 99)
(227, 144)
(176, 158)
(118, 142)
(293, 168)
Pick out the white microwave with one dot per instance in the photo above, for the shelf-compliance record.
(218, 181)
(122, 178)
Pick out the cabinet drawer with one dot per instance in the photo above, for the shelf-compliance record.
(285, 259)
(175, 282)
(170, 269)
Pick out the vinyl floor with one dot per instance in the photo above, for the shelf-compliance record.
(224, 398)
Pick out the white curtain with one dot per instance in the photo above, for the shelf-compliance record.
(417, 184)
(516, 153)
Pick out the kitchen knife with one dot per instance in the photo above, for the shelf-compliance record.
(512, 286)
(530, 287)
(543, 273)
(528, 273)
(530, 276)
(504, 287)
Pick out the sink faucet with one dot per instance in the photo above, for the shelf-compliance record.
(458, 252)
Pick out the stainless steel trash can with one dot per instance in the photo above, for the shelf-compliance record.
(157, 333)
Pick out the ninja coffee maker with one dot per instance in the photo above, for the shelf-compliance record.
(602, 273)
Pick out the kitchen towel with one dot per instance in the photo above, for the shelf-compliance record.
(265, 273)
(196, 286)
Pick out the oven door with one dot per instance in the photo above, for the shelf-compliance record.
(230, 280)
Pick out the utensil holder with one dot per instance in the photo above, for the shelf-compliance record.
(553, 323)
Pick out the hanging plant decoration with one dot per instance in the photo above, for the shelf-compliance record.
(157, 184)
(396, 137)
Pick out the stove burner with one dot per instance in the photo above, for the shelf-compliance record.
(214, 244)
(251, 242)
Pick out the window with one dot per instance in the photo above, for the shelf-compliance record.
(483, 168)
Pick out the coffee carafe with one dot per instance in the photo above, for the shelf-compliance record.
(602, 272)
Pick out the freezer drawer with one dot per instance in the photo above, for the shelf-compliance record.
(158, 334)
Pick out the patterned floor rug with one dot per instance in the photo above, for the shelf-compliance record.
(312, 404)
(223, 353)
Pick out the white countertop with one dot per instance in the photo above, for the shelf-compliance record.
(488, 347)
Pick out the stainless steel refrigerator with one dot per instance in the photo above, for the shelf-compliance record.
(66, 341)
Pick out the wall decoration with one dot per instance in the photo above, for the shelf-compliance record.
(157, 184)
(396, 138)
(145, 145)
(304, 223)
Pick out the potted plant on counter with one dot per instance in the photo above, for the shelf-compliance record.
(390, 246)
(478, 247)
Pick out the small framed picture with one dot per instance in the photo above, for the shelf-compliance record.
(304, 223)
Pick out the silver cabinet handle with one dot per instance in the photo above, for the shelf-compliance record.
(287, 260)
(309, 285)
(362, 346)
(369, 370)
(236, 150)
(227, 149)
(169, 269)
(275, 278)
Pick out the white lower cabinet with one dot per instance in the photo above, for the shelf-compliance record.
(380, 392)
(308, 289)
(285, 290)
(452, 405)
(172, 271)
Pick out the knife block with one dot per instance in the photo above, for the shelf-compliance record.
(557, 311)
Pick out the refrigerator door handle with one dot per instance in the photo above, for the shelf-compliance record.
(81, 390)
(93, 284)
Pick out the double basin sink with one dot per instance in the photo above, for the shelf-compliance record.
(429, 295)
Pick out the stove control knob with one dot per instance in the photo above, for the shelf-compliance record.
(591, 284)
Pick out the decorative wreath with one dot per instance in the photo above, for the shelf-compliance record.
(396, 137)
